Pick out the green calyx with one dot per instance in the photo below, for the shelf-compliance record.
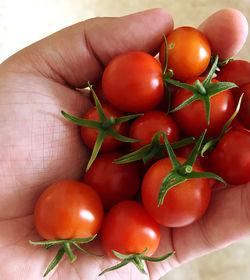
(64, 247)
(182, 172)
(137, 259)
(154, 149)
(211, 144)
(166, 74)
(220, 64)
(201, 90)
(104, 126)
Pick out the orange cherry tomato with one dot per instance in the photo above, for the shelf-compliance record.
(189, 52)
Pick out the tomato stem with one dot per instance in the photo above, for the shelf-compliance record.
(137, 259)
(182, 172)
(65, 247)
(166, 55)
(104, 126)
(211, 144)
(200, 87)
(185, 169)
(201, 90)
(155, 148)
(55, 261)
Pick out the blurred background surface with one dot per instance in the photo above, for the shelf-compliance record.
(24, 22)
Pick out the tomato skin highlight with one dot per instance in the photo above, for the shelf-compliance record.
(68, 209)
(189, 52)
(113, 182)
(231, 157)
(133, 82)
(89, 135)
(183, 204)
(192, 118)
(128, 229)
(144, 128)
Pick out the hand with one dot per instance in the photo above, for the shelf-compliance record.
(38, 146)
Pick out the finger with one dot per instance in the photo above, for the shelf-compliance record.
(227, 32)
(226, 221)
(78, 53)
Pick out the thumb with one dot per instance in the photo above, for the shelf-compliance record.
(78, 54)
(227, 32)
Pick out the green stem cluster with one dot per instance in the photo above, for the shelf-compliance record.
(64, 247)
(154, 149)
(105, 126)
(137, 259)
(182, 172)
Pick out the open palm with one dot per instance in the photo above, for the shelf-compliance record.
(38, 146)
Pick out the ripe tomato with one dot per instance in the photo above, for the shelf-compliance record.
(89, 134)
(192, 118)
(68, 209)
(183, 204)
(189, 52)
(129, 229)
(236, 71)
(237, 125)
(113, 182)
(145, 126)
(133, 82)
(243, 115)
(231, 157)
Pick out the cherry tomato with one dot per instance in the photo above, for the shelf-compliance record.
(189, 52)
(113, 182)
(236, 71)
(231, 157)
(244, 113)
(237, 125)
(145, 126)
(183, 204)
(129, 229)
(192, 118)
(133, 82)
(89, 135)
(68, 209)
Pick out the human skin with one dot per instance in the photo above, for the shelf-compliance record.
(41, 80)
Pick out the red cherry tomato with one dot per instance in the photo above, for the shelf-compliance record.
(192, 118)
(68, 209)
(236, 71)
(231, 157)
(145, 126)
(129, 229)
(133, 82)
(237, 125)
(89, 135)
(183, 204)
(243, 115)
(113, 182)
(189, 52)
